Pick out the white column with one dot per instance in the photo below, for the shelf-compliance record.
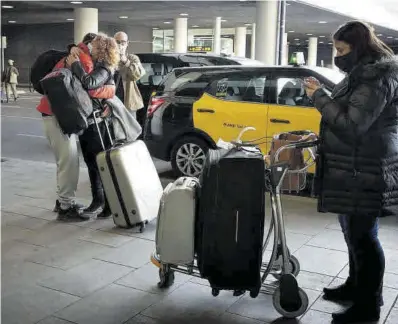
(180, 35)
(217, 36)
(253, 42)
(266, 31)
(285, 52)
(334, 53)
(312, 51)
(86, 21)
(240, 41)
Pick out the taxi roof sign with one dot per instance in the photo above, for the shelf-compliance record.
(297, 58)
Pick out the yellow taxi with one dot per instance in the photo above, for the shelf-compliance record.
(195, 107)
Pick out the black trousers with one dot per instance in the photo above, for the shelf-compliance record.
(90, 143)
(366, 258)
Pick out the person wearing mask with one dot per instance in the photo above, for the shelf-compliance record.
(10, 79)
(357, 167)
(105, 54)
(129, 71)
(65, 147)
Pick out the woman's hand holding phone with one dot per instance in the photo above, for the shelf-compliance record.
(311, 85)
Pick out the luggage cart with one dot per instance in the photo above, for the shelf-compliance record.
(288, 298)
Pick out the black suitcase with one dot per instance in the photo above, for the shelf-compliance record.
(70, 102)
(230, 220)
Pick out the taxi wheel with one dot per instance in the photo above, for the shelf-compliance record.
(188, 156)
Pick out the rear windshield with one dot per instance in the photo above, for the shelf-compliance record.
(173, 81)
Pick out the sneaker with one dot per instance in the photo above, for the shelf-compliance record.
(57, 206)
(94, 208)
(357, 314)
(106, 212)
(72, 214)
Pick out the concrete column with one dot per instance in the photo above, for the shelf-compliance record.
(217, 36)
(253, 42)
(266, 31)
(86, 21)
(312, 51)
(334, 53)
(240, 41)
(285, 53)
(180, 35)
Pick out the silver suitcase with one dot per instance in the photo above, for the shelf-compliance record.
(131, 184)
(176, 222)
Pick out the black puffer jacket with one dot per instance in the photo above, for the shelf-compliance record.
(357, 171)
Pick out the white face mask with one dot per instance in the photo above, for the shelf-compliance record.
(90, 47)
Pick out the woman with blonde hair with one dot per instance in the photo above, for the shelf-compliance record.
(105, 54)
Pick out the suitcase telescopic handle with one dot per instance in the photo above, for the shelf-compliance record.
(97, 117)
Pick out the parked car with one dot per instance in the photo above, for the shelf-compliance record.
(195, 107)
(158, 65)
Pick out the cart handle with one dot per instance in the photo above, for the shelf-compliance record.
(244, 130)
(295, 145)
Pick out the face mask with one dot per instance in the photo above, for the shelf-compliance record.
(90, 47)
(122, 49)
(345, 62)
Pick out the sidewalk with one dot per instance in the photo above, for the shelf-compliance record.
(94, 273)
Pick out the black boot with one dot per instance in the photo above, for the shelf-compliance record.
(97, 204)
(106, 212)
(342, 293)
(358, 314)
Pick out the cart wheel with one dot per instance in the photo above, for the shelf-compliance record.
(238, 293)
(294, 268)
(166, 278)
(289, 300)
(215, 292)
(142, 227)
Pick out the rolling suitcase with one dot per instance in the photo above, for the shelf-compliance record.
(230, 220)
(176, 222)
(131, 183)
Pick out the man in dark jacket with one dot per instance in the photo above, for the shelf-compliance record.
(357, 167)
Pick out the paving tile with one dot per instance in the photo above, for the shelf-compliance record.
(22, 221)
(33, 304)
(389, 296)
(101, 237)
(36, 212)
(12, 250)
(392, 317)
(315, 317)
(133, 254)
(313, 281)
(53, 320)
(86, 278)
(228, 318)
(11, 233)
(329, 239)
(69, 254)
(320, 260)
(148, 234)
(97, 223)
(390, 223)
(111, 305)
(261, 308)
(391, 260)
(147, 277)
(388, 238)
(54, 233)
(141, 319)
(191, 302)
(294, 241)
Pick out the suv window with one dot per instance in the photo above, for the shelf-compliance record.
(238, 87)
(291, 92)
(153, 71)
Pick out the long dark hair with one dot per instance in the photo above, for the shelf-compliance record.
(363, 41)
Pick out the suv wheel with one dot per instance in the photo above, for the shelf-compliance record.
(188, 156)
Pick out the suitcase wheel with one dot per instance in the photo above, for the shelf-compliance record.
(166, 278)
(215, 292)
(289, 300)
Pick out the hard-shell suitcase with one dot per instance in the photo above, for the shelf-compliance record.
(230, 219)
(131, 183)
(176, 222)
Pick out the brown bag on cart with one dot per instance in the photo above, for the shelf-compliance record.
(292, 182)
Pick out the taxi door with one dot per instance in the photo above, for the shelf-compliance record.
(232, 102)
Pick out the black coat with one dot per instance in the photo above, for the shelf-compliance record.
(357, 169)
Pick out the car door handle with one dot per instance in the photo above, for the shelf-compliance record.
(279, 121)
(209, 111)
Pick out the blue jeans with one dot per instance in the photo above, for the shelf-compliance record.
(366, 258)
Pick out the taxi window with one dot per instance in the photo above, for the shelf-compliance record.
(290, 92)
(239, 88)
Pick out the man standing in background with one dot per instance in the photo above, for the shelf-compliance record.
(129, 72)
(10, 79)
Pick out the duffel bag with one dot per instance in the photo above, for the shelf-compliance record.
(70, 102)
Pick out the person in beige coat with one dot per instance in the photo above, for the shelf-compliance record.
(10, 79)
(129, 72)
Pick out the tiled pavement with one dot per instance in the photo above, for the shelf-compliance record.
(94, 273)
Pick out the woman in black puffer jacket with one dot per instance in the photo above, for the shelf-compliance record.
(105, 54)
(357, 171)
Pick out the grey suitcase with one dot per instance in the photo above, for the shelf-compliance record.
(176, 222)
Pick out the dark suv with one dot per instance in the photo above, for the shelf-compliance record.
(158, 65)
